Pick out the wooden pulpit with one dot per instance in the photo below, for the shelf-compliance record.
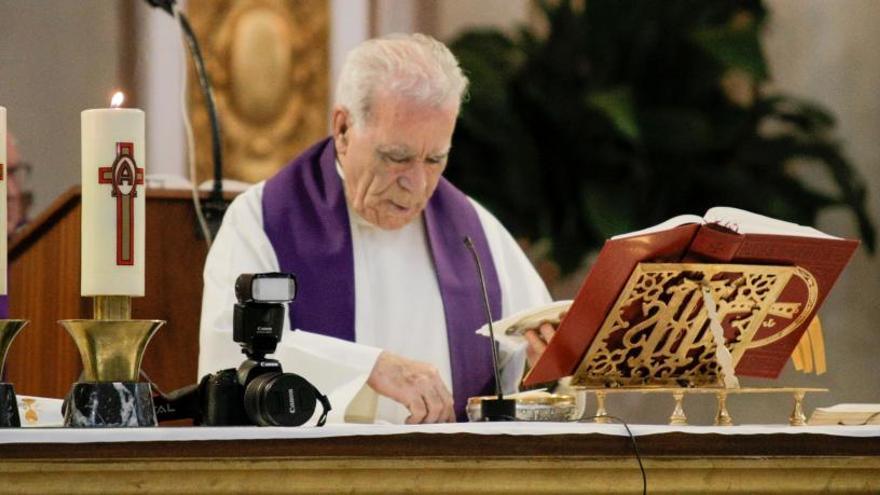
(44, 287)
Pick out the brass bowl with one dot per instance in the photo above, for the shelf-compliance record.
(545, 407)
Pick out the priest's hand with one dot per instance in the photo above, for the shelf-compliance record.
(537, 339)
(414, 384)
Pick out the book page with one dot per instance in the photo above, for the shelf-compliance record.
(746, 222)
(512, 328)
(846, 414)
(850, 408)
(666, 225)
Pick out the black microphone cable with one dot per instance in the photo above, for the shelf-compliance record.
(215, 205)
(632, 439)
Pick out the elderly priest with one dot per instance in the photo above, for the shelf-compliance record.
(389, 297)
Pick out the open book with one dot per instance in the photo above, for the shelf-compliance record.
(736, 220)
(512, 328)
(846, 414)
(721, 236)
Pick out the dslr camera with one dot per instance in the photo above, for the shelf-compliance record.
(258, 392)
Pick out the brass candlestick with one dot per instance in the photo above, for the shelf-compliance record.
(112, 307)
(111, 347)
(8, 402)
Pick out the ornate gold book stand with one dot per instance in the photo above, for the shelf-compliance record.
(665, 333)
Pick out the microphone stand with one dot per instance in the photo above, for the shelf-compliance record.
(499, 408)
(215, 206)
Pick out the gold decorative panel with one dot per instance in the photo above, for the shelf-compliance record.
(269, 63)
(657, 333)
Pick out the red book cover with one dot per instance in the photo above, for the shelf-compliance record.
(824, 258)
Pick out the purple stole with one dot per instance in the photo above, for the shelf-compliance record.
(306, 220)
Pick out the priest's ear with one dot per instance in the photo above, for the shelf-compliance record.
(341, 128)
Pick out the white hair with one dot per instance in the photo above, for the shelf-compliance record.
(414, 66)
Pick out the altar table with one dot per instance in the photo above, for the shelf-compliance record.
(460, 458)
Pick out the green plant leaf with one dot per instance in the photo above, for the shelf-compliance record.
(734, 48)
(617, 104)
(615, 118)
(677, 130)
(605, 212)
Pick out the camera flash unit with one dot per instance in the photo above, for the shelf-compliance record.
(265, 288)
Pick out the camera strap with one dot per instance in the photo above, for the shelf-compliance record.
(325, 405)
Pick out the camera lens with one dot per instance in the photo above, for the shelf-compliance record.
(279, 399)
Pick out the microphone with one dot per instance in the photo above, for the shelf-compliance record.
(499, 408)
(215, 205)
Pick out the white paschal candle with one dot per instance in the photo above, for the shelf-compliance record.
(4, 176)
(113, 202)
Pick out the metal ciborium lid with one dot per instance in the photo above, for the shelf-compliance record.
(8, 330)
(111, 350)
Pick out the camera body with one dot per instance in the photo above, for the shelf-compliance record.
(258, 392)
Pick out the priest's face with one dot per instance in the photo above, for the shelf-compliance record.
(393, 161)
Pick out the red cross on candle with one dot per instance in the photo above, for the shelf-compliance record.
(124, 176)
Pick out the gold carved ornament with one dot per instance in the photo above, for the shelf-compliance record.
(657, 333)
(268, 61)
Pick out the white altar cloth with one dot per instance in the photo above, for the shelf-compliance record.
(179, 434)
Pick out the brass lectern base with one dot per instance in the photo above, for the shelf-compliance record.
(722, 416)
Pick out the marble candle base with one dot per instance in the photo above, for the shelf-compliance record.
(8, 407)
(109, 405)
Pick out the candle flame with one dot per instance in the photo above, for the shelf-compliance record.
(117, 99)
